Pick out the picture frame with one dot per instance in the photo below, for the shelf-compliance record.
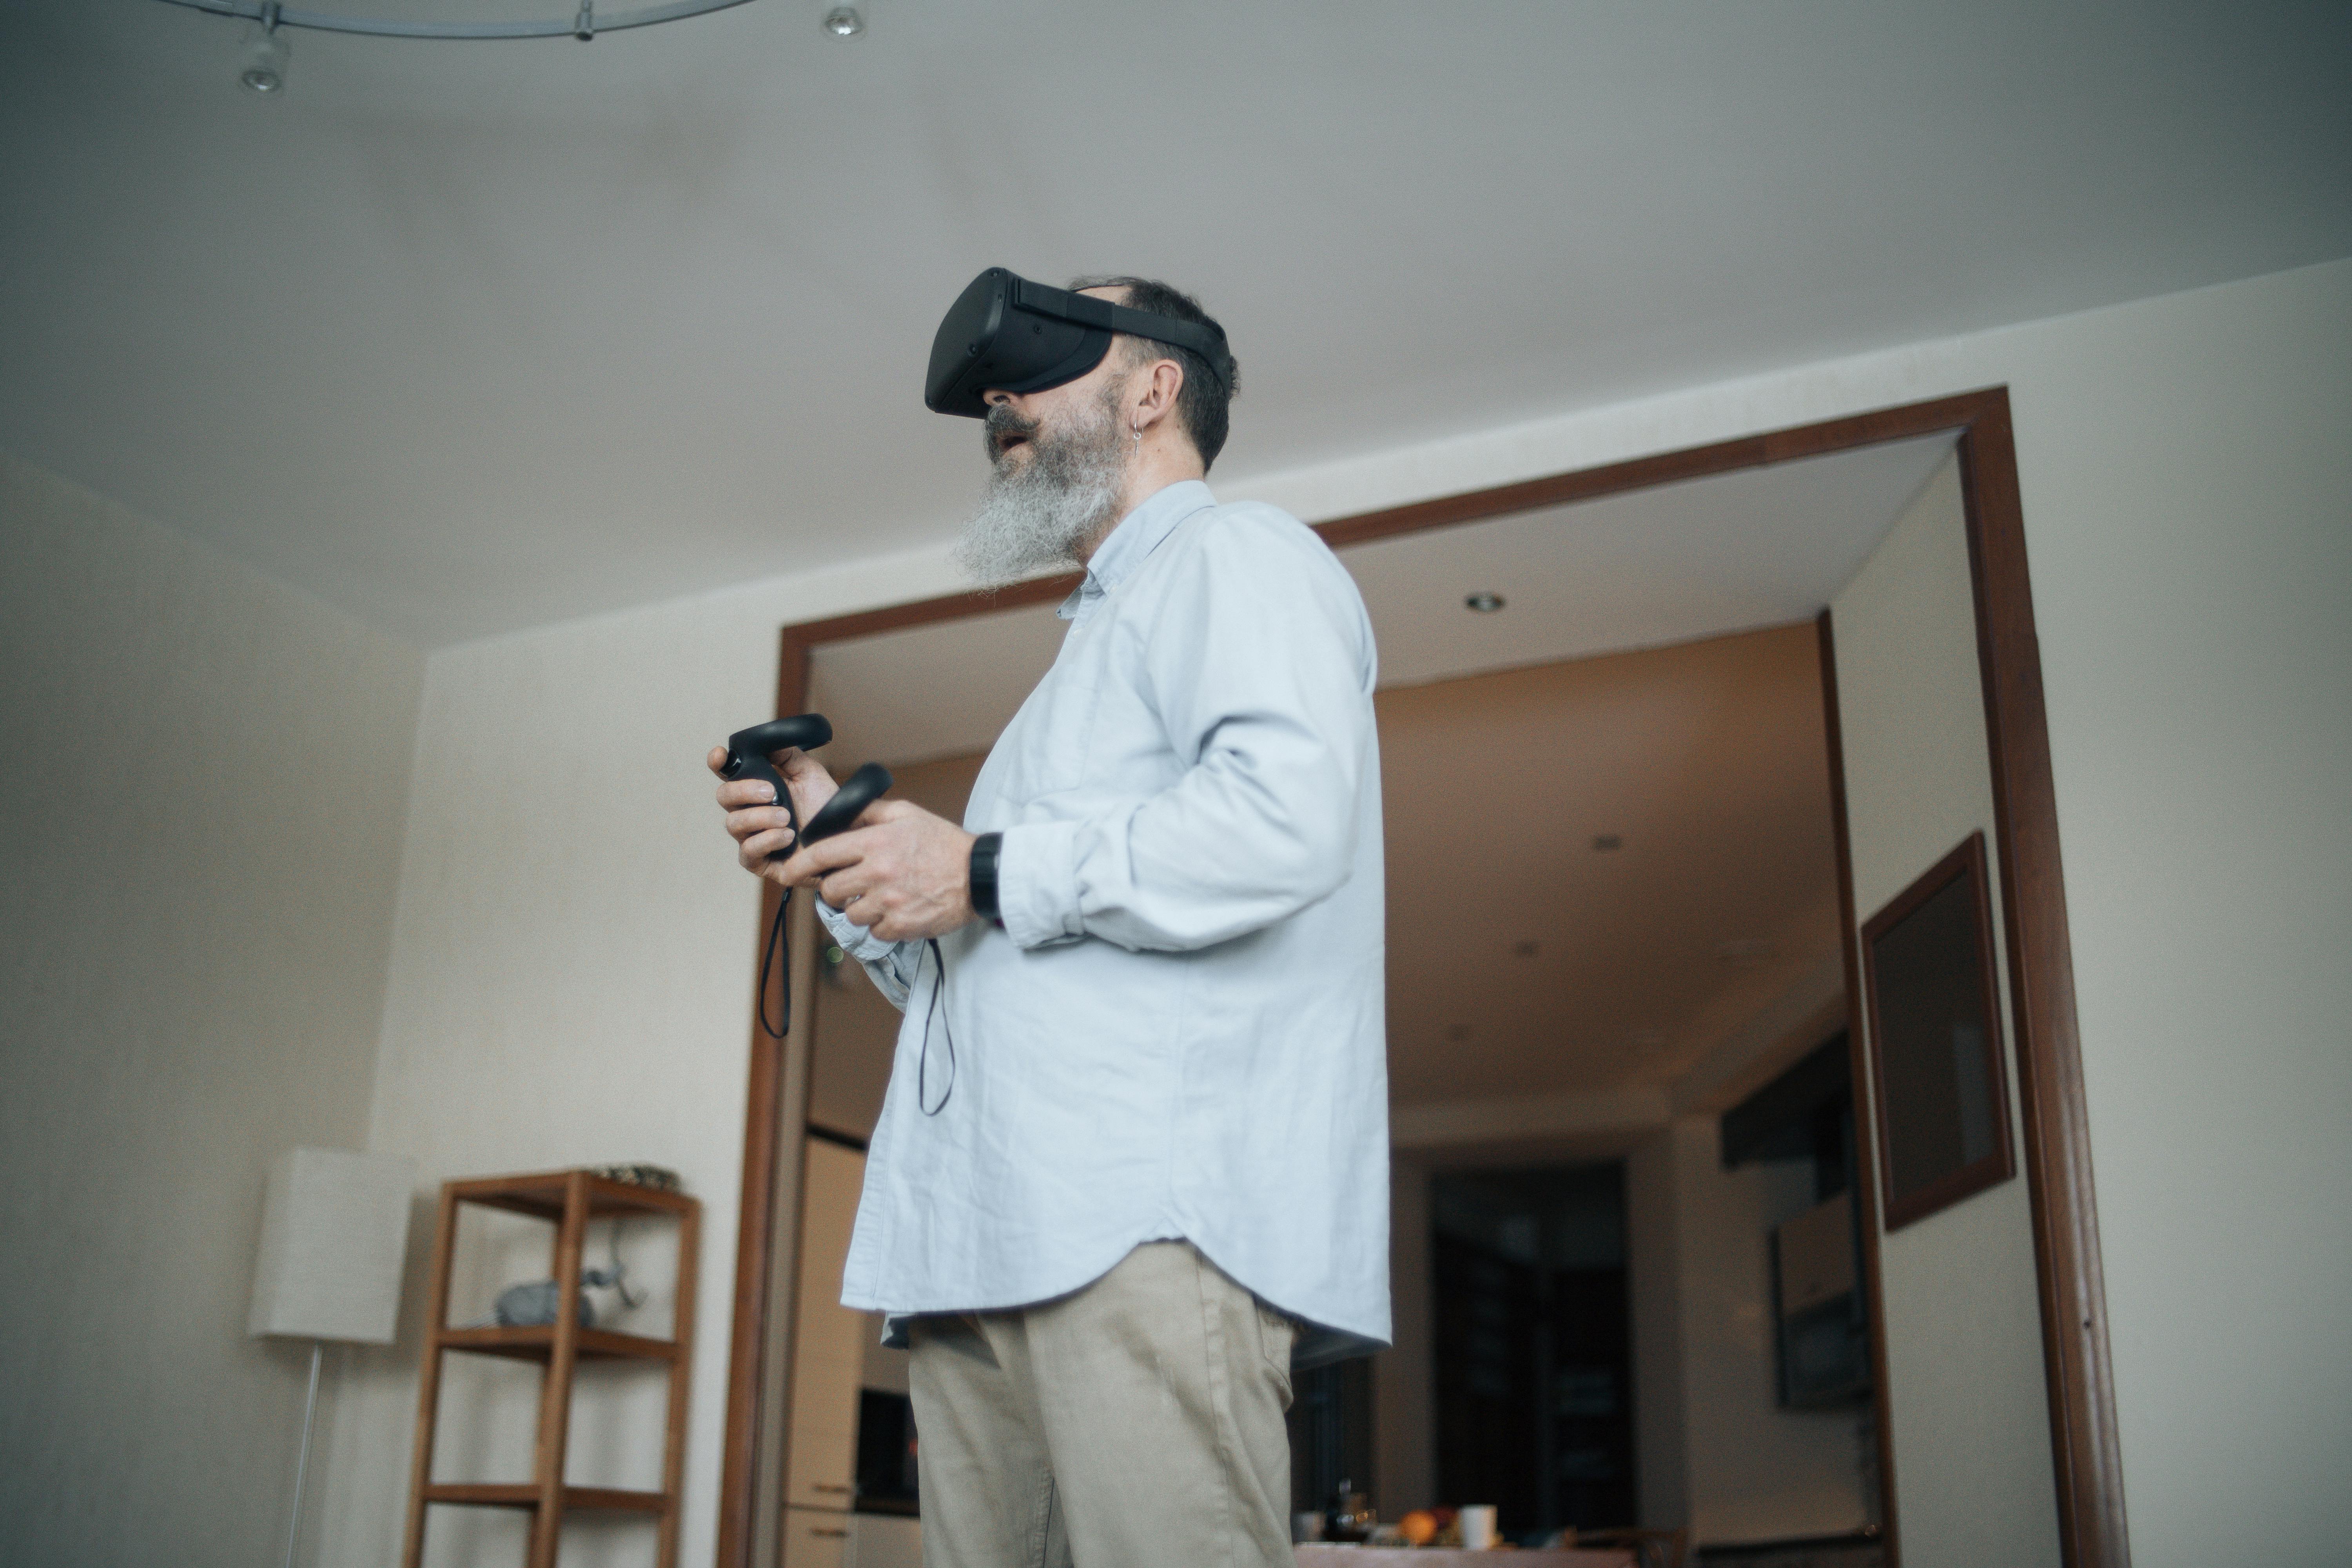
(1938, 1074)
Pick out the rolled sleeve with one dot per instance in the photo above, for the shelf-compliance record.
(891, 963)
(1037, 893)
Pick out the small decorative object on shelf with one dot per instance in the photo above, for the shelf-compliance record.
(660, 1178)
(569, 1199)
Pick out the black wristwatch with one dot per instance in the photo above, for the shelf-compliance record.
(983, 877)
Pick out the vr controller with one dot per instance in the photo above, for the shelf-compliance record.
(746, 758)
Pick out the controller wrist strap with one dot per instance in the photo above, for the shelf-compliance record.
(779, 941)
(779, 944)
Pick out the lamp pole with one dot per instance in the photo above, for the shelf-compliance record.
(302, 1464)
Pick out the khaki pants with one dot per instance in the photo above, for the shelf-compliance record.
(1135, 1423)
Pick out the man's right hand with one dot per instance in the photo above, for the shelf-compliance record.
(759, 827)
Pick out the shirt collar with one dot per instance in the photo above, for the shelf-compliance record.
(1139, 533)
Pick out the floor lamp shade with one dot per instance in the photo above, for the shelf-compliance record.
(335, 1230)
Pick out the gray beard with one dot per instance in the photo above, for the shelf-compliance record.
(1042, 512)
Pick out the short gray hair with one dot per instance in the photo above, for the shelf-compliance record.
(1206, 398)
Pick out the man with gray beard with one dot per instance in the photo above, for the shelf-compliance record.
(1049, 496)
(1132, 1166)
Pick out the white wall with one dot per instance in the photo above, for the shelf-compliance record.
(571, 979)
(202, 791)
(2185, 462)
(1964, 1367)
(1751, 1470)
(2189, 504)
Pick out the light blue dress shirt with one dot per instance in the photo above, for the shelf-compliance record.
(1179, 1031)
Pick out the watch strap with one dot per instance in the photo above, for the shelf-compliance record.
(984, 851)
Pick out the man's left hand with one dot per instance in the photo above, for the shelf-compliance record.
(902, 873)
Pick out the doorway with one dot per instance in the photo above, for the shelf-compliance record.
(1656, 947)
(2078, 1406)
(1532, 1346)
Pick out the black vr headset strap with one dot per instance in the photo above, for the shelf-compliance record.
(1086, 310)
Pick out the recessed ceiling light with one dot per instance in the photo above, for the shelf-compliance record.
(1604, 843)
(844, 22)
(1485, 603)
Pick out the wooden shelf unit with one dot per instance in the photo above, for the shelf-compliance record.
(568, 1200)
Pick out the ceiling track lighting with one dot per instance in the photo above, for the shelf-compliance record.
(263, 69)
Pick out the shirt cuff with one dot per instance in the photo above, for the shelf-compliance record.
(1037, 883)
(855, 940)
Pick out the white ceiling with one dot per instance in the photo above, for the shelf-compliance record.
(1760, 547)
(472, 337)
(1522, 962)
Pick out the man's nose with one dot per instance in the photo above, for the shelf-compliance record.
(996, 397)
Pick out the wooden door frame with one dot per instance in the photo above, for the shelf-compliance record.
(2084, 1438)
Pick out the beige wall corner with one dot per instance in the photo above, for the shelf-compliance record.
(204, 788)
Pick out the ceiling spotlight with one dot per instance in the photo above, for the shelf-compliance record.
(263, 70)
(844, 22)
(1485, 603)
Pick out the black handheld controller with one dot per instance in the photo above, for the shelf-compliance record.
(746, 758)
(747, 752)
(858, 790)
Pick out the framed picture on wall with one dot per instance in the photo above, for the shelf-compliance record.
(1934, 1018)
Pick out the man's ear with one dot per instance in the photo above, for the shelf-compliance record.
(1165, 385)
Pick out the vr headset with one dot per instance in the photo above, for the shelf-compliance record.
(1005, 333)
